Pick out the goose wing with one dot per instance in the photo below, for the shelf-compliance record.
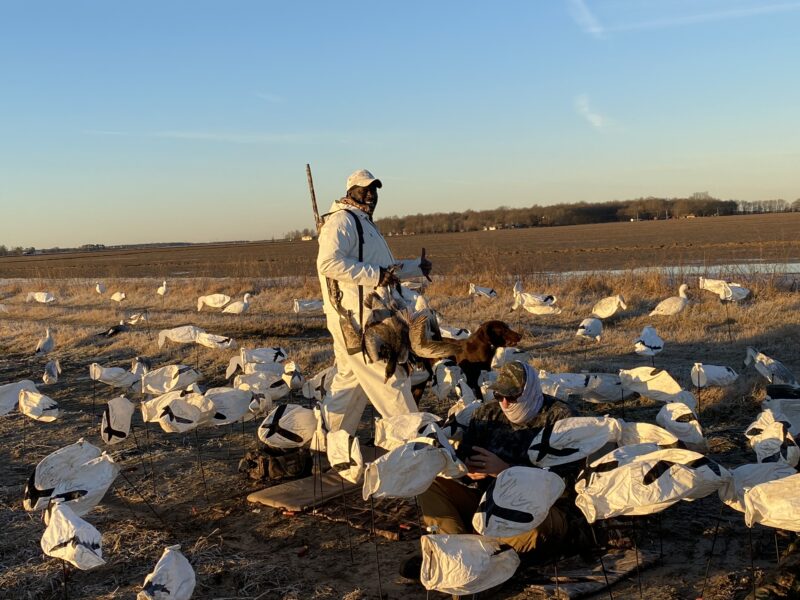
(426, 348)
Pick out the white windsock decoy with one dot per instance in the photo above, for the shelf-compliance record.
(162, 289)
(118, 296)
(486, 379)
(785, 409)
(45, 344)
(288, 426)
(648, 343)
(532, 302)
(680, 420)
(656, 384)
(230, 405)
(38, 406)
(178, 411)
(454, 333)
(458, 418)
(260, 406)
(306, 306)
(727, 291)
(319, 386)
(52, 468)
(136, 318)
(51, 372)
(265, 383)
(393, 432)
(591, 329)
(483, 292)
(771, 440)
(775, 504)
(239, 307)
(113, 376)
(572, 439)
(608, 307)
(635, 433)
(774, 370)
(672, 305)
(41, 297)
(140, 366)
(9, 394)
(172, 578)
(405, 471)
(465, 564)
(185, 334)
(463, 391)
(115, 424)
(274, 354)
(291, 376)
(517, 501)
(749, 476)
(214, 341)
(503, 355)
(599, 388)
(212, 300)
(84, 488)
(446, 373)
(100, 287)
(248, 368)
(344, 455)
(70, 538)
(166, 379)
(712, 375)
(648, 484)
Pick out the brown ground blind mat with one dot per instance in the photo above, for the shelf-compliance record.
(303, 494)
(576, 579)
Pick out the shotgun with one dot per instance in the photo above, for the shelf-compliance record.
(317, 220)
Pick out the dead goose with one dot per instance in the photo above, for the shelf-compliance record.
(386, 332)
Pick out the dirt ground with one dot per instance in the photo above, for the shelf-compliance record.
(186, 490)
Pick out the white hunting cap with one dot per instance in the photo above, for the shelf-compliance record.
(362, 178)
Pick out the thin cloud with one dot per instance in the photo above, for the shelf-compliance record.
(270, 97)
(586, 19)
(584, 109)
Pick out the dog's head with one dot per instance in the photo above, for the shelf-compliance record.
(499, 334)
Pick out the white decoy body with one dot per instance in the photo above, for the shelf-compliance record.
(306, 306)
(590, 328)
(212, 300)
(51, 372)
(41, 297)
(162, 290)
(118, 296)
(608, 307)
(727, 291)
(536, 304)
(239, 307)
(774, 370)
(100, 287)
(672, 305)
(485, 292)
(45, 344)
(649, 343)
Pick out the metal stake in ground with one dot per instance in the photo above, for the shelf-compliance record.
(346, 519)
(375, 541)
(711, 552)
(94, 394)
(64, 570)
(728, 321)
(150, 506)
(200, 462)
(752, 564)
(602, 565)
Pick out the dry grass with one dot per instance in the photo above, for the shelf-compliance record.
(241, 554)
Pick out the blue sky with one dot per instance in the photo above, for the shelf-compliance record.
(124, 122)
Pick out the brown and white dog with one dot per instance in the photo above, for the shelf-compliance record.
(473, 354)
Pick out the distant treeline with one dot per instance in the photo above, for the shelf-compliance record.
(580, 213)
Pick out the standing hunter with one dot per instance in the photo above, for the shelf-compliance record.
(353, 259)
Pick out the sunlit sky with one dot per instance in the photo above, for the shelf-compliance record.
(193, 120)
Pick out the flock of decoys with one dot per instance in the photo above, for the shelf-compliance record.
(630, 468)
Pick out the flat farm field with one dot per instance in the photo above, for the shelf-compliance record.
(678, 242)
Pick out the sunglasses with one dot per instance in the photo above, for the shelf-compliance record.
(508, 399)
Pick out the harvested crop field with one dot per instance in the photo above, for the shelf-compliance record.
(626, 245)
(185, 489)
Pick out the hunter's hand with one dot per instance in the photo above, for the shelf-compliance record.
(425, 266)
(388, 277)
(485, 463)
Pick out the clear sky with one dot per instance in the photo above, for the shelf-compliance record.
(192, 120)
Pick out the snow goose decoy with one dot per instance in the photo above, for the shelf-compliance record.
(672, 305)
(454, 333)
(572, 439)
(45, 344)
(41, 297)
(649, 343)
(212, 300)
(646, 434)
(115, 424)
(172, 578)
(51, 372)
(482, 292)
(590, 329)
(306, 306)
(118, 296)
(231, 405)
(656, 384)
(70, 538)
(749, 476)
(319, 386)
(774, 370)
(122, 327)
(393, 432)
(344, 455)
(712, 375)
(100, 287)
(178, 411)
(774, 503)
(608, 307)
(517, 501)
(112, 376)
(465, 564)
(169, 378)
(9, 394)
(61, 463)
(83, 488)
(38, 406)
(162, 290)
(536, 304)
(772, 440)
(185, 334)
(239, 307)
(727, 291)
(598, 388)
(288, 426)
(212, 340)
(680, 420)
